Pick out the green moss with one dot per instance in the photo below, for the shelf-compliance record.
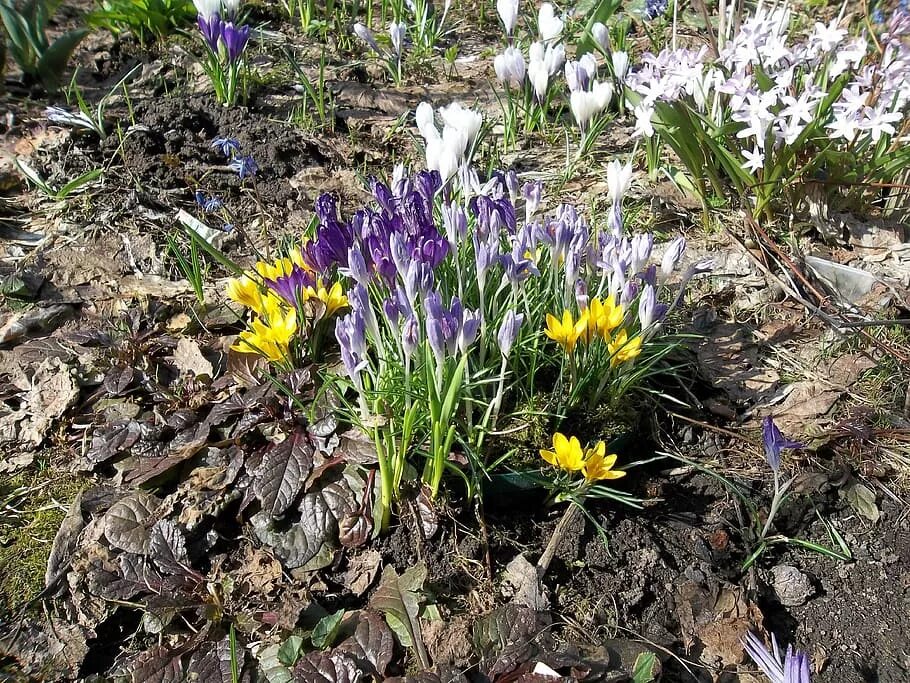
(32, 506)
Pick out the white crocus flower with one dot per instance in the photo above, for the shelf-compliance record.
(397, 31)
(510, 67)
(231, 7)
(620, 61)
(466, 121)
(508, 14)
(548, 24)
(619, 180)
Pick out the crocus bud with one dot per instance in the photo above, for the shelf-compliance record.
(391, 310)
(629, 292)
(641, 246)
(366, 36)
(619, 180)
(775, 442)
(601, 36)
(672, 256)
(357, 267)
(581, 294)
(646, 306)
(467, 330)
(410, 335)
(508, 331)
(508, 14)
(533, 194)
(397, 31)
(510, 67)
(208, 8)
(620, 61)
(512, 185)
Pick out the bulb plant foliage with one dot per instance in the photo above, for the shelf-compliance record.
(226, 40)
(454, 300)
(775, 112)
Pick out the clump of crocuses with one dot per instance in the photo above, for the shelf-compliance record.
(448, 278)
(226, 40)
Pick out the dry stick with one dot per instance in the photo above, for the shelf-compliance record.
(564, 523)
(768, 244)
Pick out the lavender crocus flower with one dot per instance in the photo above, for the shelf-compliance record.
(357, 267)
(647, 304)
(640, 251)
(672, 256)
(244, 166)
(455, 223)
(391, 309)
(581, 294)
(467, 329)
(397, 31)
(791, 668)
(289, 286)
(533, 194)
(366, 36)
(350, 331)
(410, 335)
(508, 331)
(235, 39)
(775, 442)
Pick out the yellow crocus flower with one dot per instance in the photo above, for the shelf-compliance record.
(566, 453)
(610, 316)
(333, 298)
(245, 291)
(598, 465)
(623, 349)
(565, 332)
(271, 334)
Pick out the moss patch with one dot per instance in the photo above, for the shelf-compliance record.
(33, 503)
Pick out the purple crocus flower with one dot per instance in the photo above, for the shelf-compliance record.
(210, 28)
(581, 294)
(775, 442)
(647, 304)
(508, 331)
(235, 39)
(350, 331)
(511, 181)
(791, 668)
(289, 286)
(244, 166)
(333, 238)
(391, 309)
(229, 147)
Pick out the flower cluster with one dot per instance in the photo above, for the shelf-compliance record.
(226, 42)
(533, 79)
(771, 103)
(244, 165)
(593, 463)
(277, 294)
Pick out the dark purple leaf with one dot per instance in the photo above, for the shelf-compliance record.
(282, 474)
(109, 441)
(181, 419)
(118, 380)
(357, 447)
(503, 637)
(371, 645)
(354, 529)
(167, 548)
(303, 540)
(158, 665)
(126, 524)
(319, 667)
(211, 663)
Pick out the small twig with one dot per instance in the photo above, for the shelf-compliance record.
(568, 517)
